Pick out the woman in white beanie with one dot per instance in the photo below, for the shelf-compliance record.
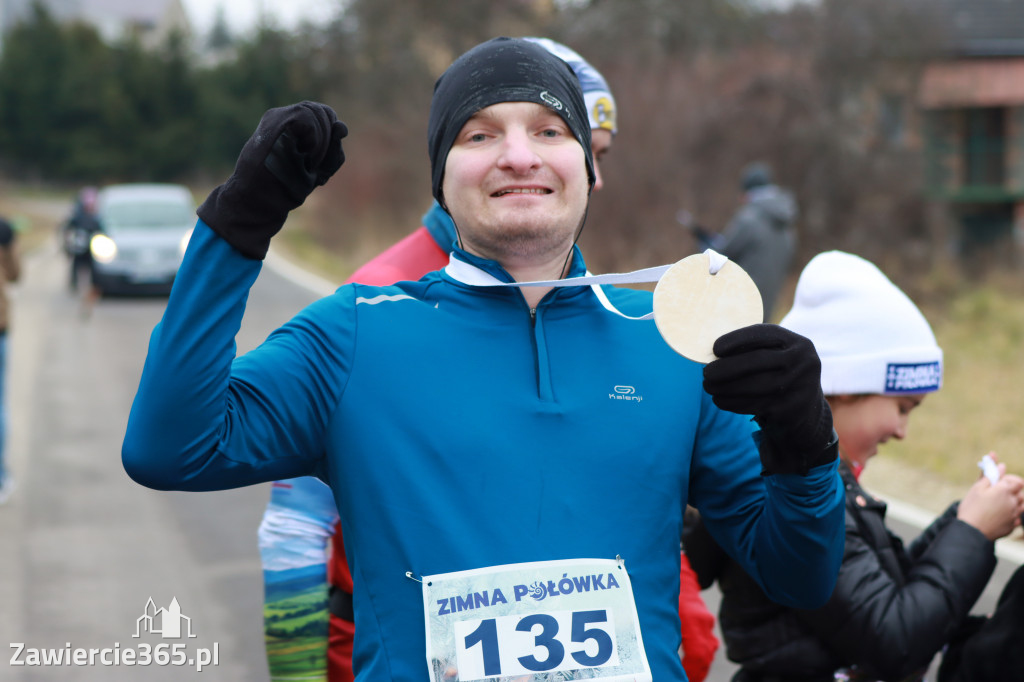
(893, 608)
(879, 357)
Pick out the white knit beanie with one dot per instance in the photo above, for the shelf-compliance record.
(870, 336)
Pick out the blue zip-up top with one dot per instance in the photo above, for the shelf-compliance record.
(440, 226)
(566, 432)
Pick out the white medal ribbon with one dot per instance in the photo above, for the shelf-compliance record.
(474, 276)
(462, 271)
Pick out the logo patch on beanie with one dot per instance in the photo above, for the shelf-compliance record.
(918, 377)
(553, 101)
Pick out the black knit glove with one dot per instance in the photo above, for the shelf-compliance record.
(774, 374)
(294, 150)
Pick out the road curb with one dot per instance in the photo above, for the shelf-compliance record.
(1006, 549)
(298, 275)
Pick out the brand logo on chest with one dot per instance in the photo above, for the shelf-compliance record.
(625, 393)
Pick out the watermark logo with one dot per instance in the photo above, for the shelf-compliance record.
(169, 623)
(164, 622)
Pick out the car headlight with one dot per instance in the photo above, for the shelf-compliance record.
(183, 244)
(103, 248)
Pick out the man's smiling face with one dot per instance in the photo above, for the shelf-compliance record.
(516, 184)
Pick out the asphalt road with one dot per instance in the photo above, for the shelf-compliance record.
(84, 548)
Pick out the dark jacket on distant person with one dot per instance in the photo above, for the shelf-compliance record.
(761, 239)
(10, 269)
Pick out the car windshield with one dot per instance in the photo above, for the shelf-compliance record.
(147, 215)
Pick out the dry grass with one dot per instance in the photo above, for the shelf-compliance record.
(35, 213)
(300, 247)
(331, 243)
(981, 330)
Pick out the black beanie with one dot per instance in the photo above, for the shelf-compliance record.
(503, 70)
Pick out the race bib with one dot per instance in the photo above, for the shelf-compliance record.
(566, 620)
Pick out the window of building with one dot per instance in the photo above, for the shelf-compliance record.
(985, 147)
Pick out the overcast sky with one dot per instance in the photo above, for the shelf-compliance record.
(242, 15)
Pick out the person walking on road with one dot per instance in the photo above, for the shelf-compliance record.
(77, 231)
(10, 271)
(503, 513)
(761, 236)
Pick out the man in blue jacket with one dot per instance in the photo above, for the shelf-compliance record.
(506, 510)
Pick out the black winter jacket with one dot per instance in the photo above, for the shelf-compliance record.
(892, 609)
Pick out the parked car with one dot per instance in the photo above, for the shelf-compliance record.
(144, 231)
